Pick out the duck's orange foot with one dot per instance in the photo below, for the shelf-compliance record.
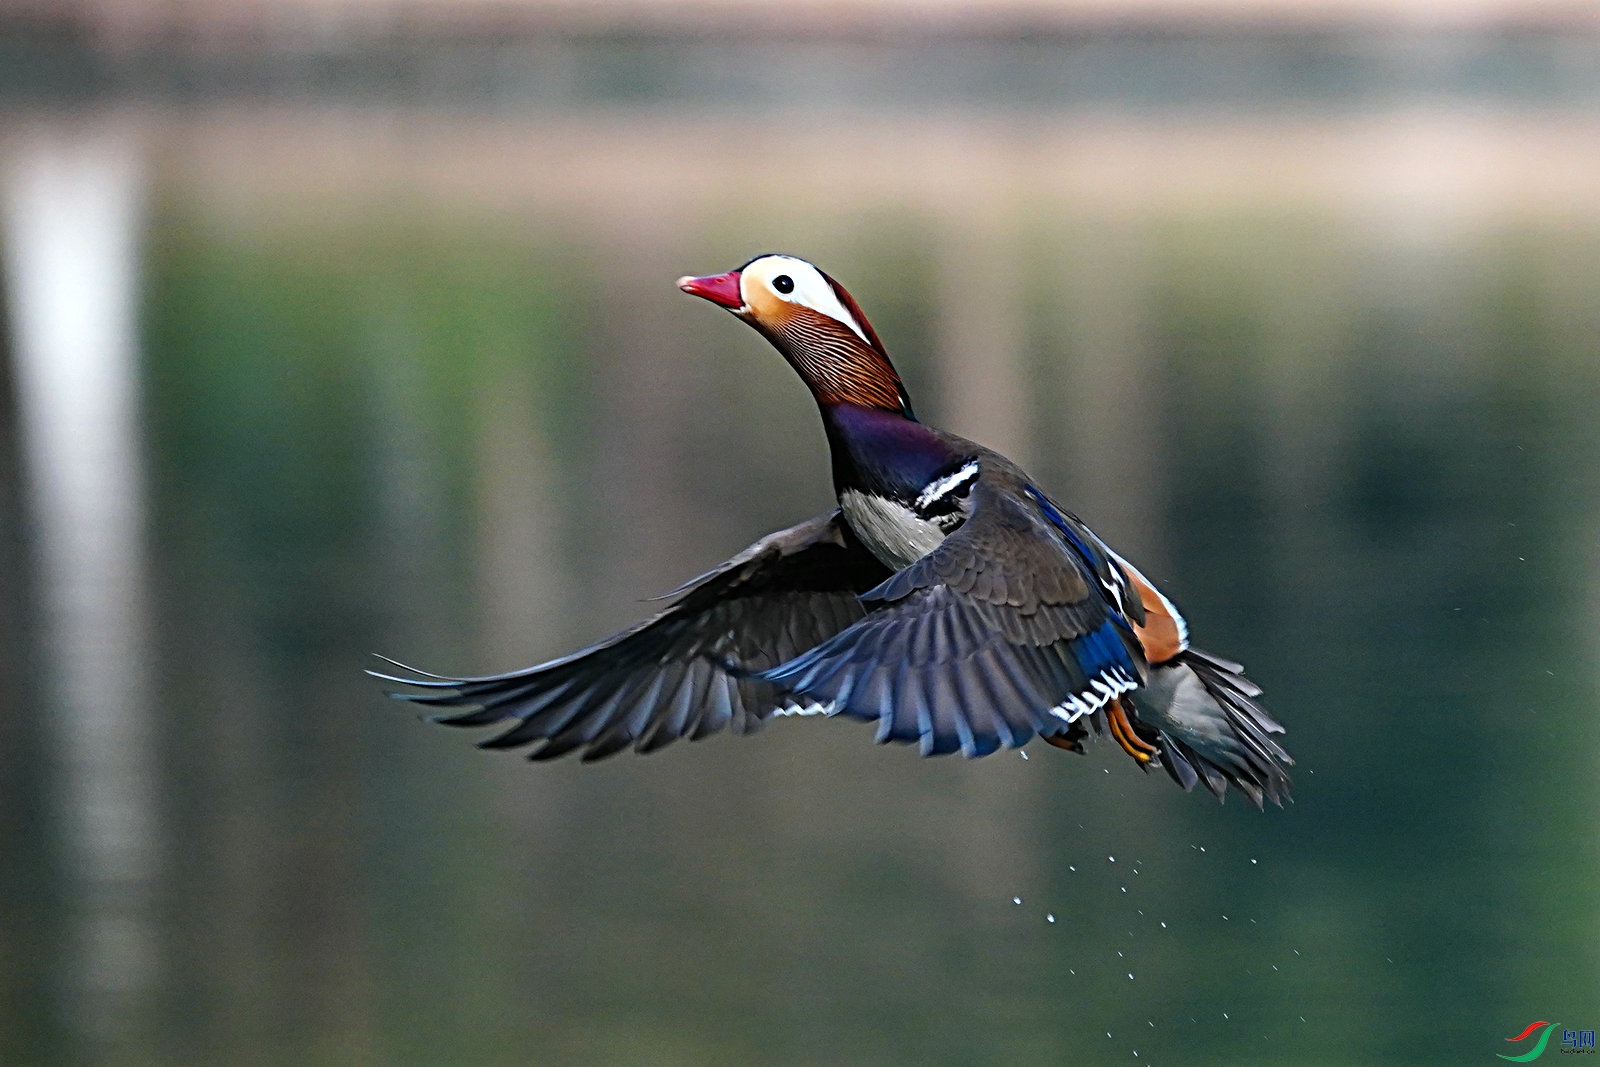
(1071, 740)
(1123, 730)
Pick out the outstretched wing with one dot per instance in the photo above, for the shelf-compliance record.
(1013, 626)
(687, 672)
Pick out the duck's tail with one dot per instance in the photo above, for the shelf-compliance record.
(1210, 729)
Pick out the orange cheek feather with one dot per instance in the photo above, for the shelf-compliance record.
(767, 308)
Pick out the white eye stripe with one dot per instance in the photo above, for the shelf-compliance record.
(810, 290)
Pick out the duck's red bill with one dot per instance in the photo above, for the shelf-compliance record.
(720, 289)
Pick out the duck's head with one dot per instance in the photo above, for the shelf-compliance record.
(817, 326)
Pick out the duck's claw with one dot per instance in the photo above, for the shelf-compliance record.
(1071, 740)
(1121, 729)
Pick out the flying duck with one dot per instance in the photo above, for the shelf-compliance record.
(946, 598)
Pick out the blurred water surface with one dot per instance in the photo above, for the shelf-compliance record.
(418, 382)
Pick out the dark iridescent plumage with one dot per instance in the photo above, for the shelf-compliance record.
(689, 671)
(948, 600)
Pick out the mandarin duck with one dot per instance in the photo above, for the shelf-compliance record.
(946, 598)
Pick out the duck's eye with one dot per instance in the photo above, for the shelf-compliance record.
(783, 283)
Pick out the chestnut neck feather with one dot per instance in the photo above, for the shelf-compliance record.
(837, 365)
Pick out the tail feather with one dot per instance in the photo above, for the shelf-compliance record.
(1212, 730)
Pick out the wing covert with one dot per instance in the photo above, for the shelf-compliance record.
(1002, 632)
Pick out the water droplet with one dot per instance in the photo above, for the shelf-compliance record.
(1024, 755)
(1224, 918)
(1071, 868)
(1163, 926)
(1113, 859)
(1130, 976)
(1016, 900)
(1252, 861)
(1050, 918)
(1224, 1015)
(1124, 889)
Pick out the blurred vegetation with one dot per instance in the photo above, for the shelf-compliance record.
(1370, 473)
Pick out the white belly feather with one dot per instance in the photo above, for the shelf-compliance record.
(894, 533)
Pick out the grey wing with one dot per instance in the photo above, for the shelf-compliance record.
(1000, 633)
(686, 673)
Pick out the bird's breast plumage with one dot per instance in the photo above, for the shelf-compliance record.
(893, 532)
(900, 528)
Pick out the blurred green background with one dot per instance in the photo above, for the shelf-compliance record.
(323, 343)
